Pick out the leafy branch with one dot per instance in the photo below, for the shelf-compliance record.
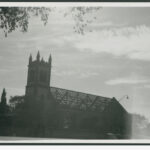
(12, 18)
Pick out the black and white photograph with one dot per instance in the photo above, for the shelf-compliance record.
(74, 73)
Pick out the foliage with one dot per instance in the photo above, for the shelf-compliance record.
(15, 101)
(82, 17)
(139, 121)
(12, 18)
(139, 126)
(18, 17)
(31, 115)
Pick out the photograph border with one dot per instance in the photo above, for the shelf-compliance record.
(105, 3)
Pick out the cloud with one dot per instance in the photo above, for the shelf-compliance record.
(77, 73)
(88, 75)
(132, 42)
(145, 86)
(4, 70)
(127, 80)
(105, 25)
(64, 73)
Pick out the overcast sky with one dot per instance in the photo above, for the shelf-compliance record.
(113, 60)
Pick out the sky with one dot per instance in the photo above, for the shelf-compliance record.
(111, 59)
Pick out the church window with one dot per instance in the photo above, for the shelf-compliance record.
(66, 121)
(32, 76)
(43, 76)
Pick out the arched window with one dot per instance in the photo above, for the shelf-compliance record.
(66, 120)
(32, 76)
(43, 76)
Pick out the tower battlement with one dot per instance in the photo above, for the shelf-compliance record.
(39, 61)
(39, 73)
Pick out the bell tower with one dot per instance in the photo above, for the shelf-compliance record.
(38, 79)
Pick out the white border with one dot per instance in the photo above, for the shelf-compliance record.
(74, 4)
(88, 141)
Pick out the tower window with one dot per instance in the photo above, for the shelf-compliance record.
(32, 76)
(43, 77)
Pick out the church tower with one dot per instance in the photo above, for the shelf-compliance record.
(38, 79)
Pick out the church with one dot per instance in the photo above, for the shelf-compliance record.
(61, 113)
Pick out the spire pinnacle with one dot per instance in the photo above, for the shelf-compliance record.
(30, 59)
(42, 60)
(50, 58)
(4, 92)
(38, 56)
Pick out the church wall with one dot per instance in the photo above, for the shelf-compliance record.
(64, 121)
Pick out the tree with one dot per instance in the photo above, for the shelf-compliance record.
(32, 117)
(12, 18)
(139, 124)
(3, 105)
(15, 101)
